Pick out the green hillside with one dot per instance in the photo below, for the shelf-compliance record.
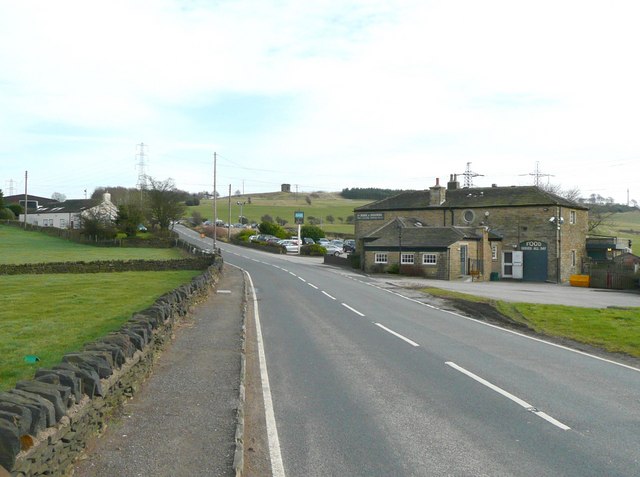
(625, 225)
(283, 205)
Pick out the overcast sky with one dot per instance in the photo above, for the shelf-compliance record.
(320, 94)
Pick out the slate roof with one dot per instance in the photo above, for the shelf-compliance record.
(486, 197)
(15, 199)
(415, 236)
(72, 206)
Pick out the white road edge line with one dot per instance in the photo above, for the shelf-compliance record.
(522, 335)
(325, 293)
(277, 466)
(352, 309)
(398, 335)
(510, 396)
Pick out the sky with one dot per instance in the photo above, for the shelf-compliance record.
(322, 95)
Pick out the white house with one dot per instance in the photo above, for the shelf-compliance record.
(66, 215)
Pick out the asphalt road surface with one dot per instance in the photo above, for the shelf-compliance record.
(365, 381)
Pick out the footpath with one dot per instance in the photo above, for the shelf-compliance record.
(183, 421)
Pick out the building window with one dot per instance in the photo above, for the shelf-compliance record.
(63, 223)
(494, 252)
(468, 216)
(429, 259)
(381, 258)
(406, 259)
(572, 217)
(574, 259)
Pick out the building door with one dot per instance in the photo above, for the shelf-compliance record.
(535, 260)
(507, 264)
(464, 252)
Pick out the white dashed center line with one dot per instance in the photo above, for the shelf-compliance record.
(352, 309)
(404, 338)
(325, 293)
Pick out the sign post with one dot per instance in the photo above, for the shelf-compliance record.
(298, 218)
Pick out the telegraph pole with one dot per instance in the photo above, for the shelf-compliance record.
(26, 203)
(215, 203)
(229, 223)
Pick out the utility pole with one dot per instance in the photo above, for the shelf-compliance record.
(215, 202)
(26, 201)
(469, 175)
(229, 223)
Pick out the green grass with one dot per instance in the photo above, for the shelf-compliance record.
(615, 330)
(283, 205)
(50, 315)
(19, 246)
(624, 225)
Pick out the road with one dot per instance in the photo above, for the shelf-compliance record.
(365, 381)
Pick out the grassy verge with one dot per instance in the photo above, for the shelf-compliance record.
(615, 330)
(19, 246)
(50, 315)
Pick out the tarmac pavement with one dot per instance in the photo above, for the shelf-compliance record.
(527, 292)
(183, 420)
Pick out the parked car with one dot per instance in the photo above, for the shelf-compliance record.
(308, 241)
(323, 241)
(253, 238)
(332, 249)
(349, 246)
(290, 245)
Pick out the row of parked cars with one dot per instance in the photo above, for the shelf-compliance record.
(333, 247)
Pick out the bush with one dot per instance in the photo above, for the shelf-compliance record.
(243, 236)
(7, 214)
(314, 250)
(16, 208)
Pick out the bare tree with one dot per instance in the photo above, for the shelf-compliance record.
(164, 203)
(58, 196)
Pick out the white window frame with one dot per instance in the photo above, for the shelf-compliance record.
(429, 259)
(63, 223)
(381, 257)
(572, 217)
(574, 258)
(494, 252)
(407, 258)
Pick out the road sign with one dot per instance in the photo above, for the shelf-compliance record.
(298, 217)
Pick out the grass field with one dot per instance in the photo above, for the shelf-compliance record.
(625, 225)
(612, 329)
(283, 205)
(19, 246)
(50, 315)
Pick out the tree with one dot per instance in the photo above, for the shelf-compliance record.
(164, 203)
(238, 192)
(329, 218)
(280, 221)
(350, 219)
(312, 231)
(266, 218)
(196, 218)
(95, 223)
(269, 228)
(58, 196)
(308, 200)
(130, 216)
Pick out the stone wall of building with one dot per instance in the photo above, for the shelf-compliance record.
(45, 422)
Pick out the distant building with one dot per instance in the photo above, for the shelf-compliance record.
(449, 232)
(67, 214)
(285, 188)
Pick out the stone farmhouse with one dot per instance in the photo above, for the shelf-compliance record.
(517, 232)
(67, 214)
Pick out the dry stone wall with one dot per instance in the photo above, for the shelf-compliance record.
(45, 422)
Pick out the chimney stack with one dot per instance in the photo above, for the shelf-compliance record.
(453, 183)
(437, 194)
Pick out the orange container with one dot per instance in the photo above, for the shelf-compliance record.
(579, 280)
